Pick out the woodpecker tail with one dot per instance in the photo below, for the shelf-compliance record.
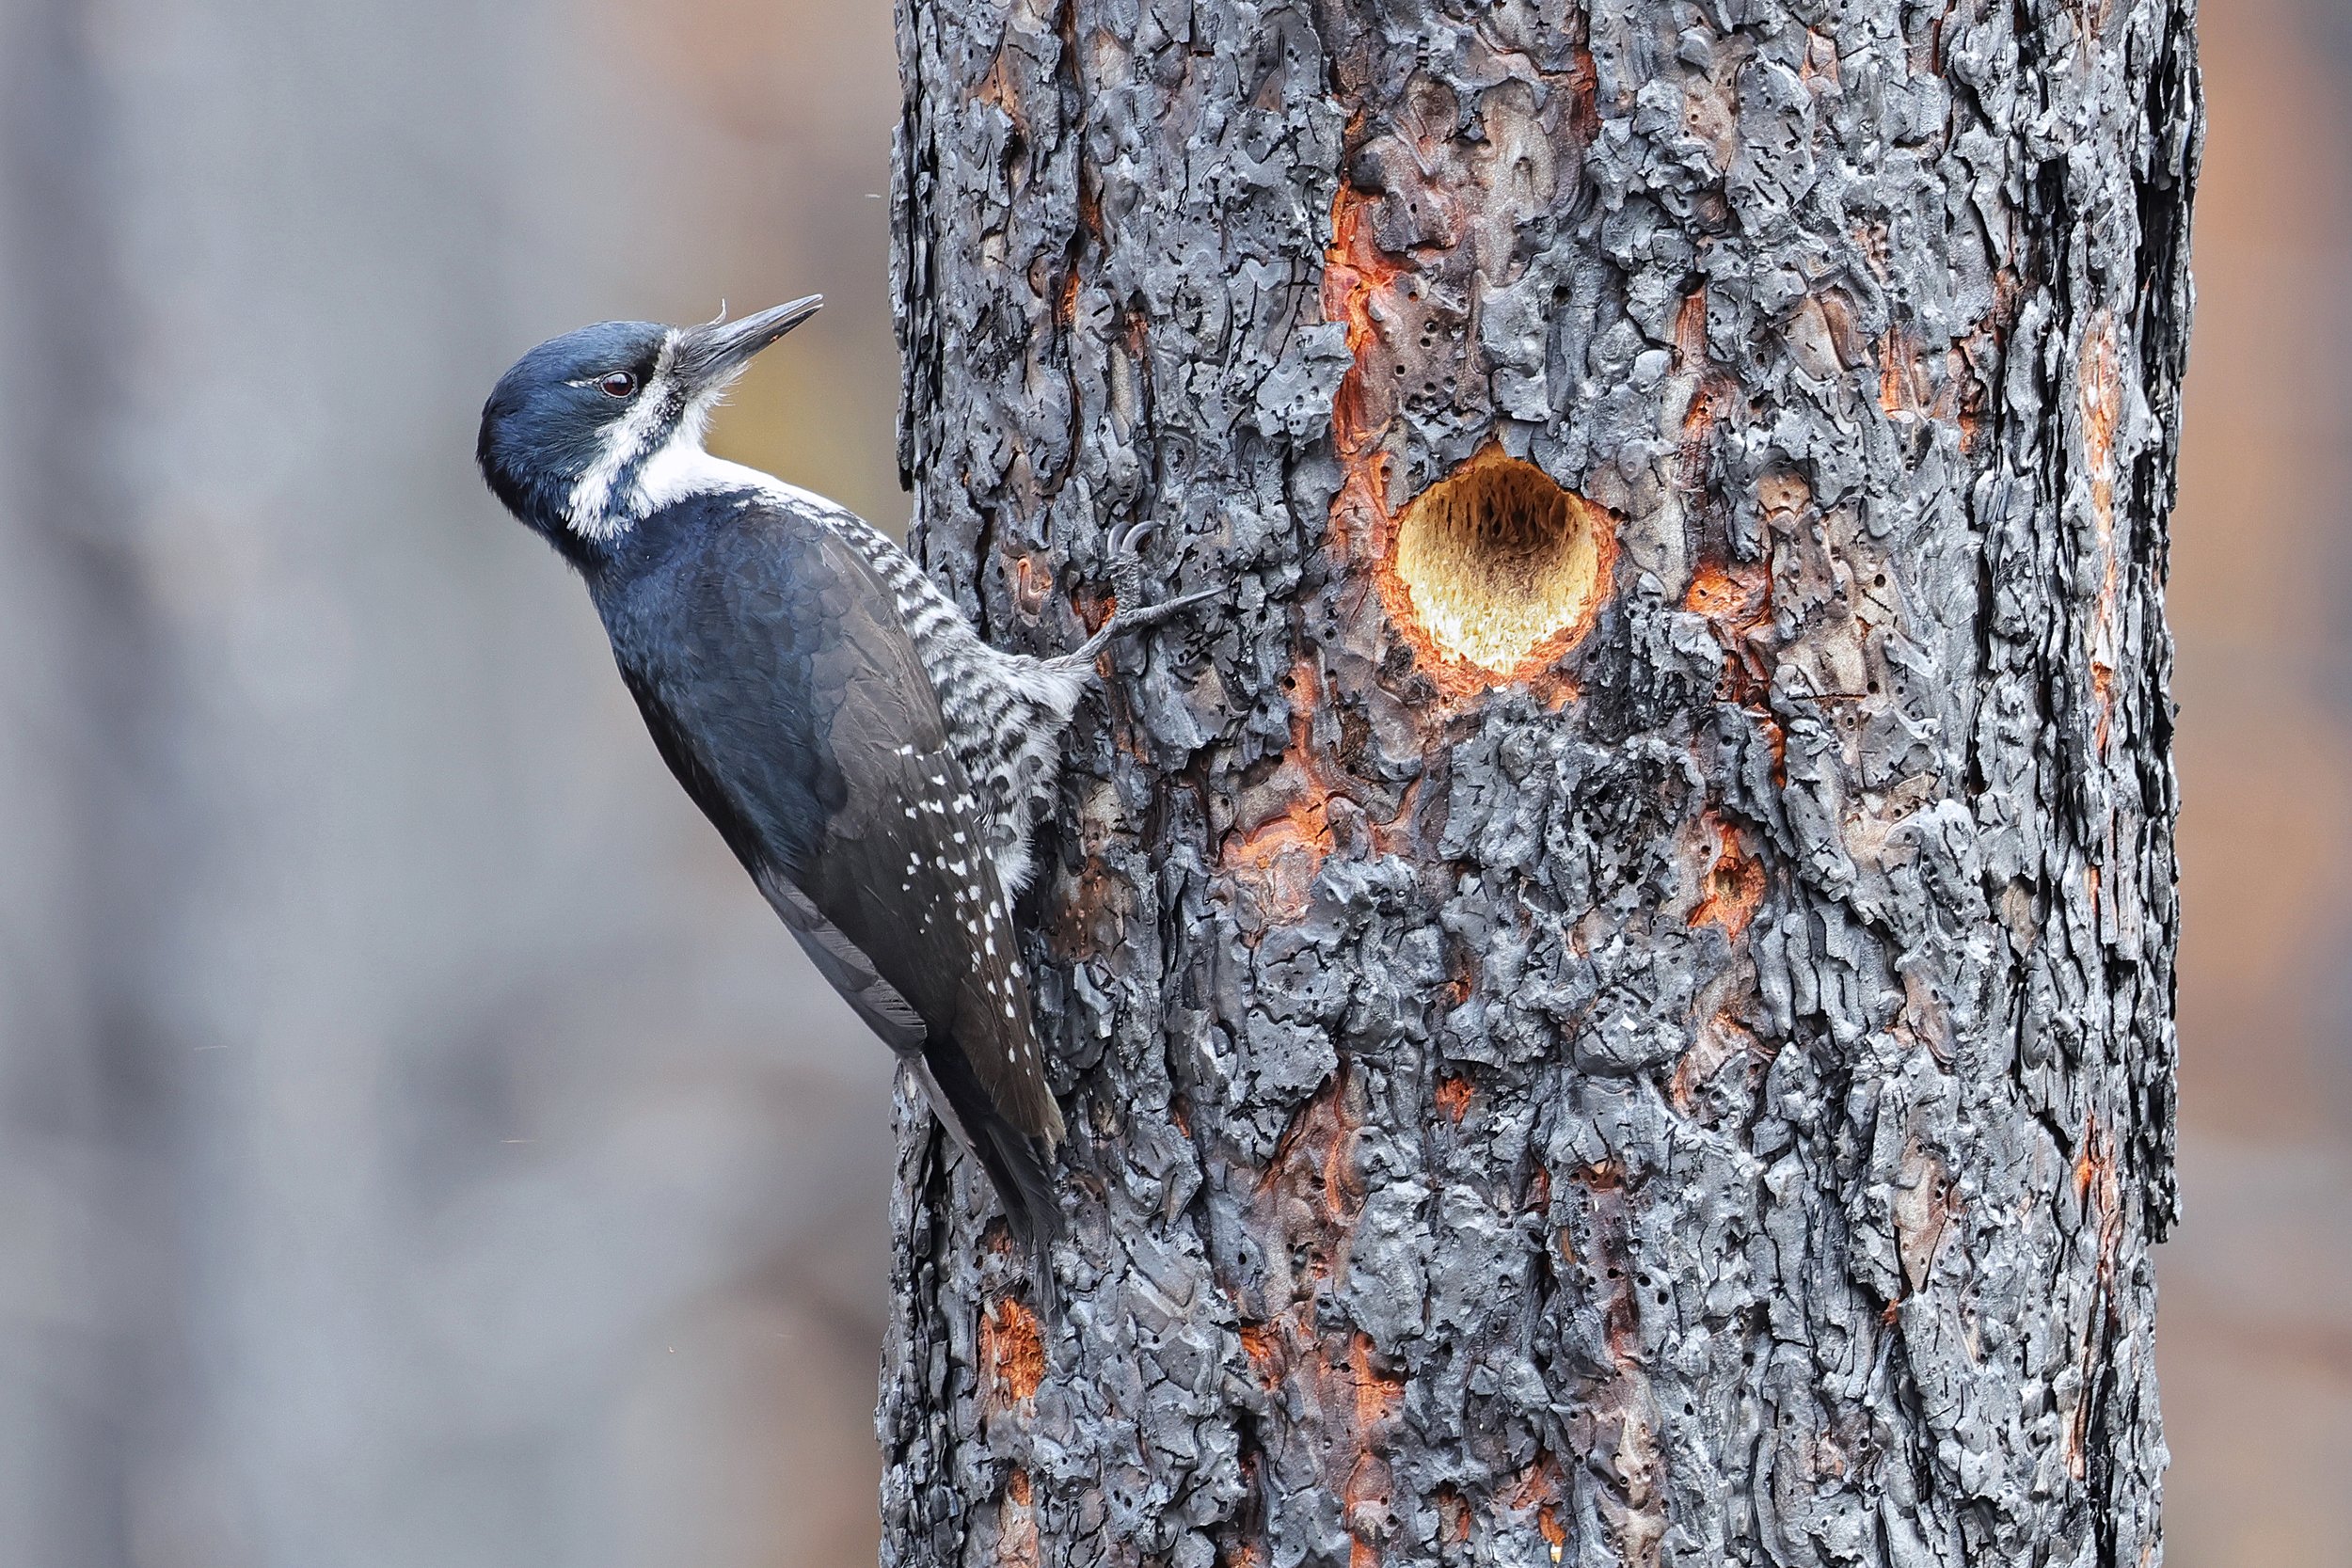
(1015, 1165)
(1032, 1208)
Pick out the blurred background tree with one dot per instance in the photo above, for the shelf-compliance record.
(416, 1145)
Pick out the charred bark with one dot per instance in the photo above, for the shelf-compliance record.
(1615, 1005)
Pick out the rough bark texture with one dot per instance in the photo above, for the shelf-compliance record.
(1699, 1092)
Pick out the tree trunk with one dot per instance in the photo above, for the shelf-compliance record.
(1615, 1001)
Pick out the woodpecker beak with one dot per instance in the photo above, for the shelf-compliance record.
(715, 353)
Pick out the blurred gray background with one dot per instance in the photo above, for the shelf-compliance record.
(418, 1144)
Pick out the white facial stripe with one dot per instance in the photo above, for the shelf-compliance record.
(590, 508)
(678, 468)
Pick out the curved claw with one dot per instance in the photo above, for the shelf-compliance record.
(1126, 574)
(1127, 539)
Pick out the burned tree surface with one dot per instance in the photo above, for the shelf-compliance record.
(1614, 997)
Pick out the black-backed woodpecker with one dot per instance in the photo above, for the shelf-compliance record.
(874, 764)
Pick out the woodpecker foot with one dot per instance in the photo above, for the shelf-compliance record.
(1133, 614)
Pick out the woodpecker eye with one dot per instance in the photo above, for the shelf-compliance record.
(618, 385)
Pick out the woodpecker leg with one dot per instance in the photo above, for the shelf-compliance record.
(1133, 614)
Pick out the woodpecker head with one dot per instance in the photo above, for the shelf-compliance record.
(572, 432)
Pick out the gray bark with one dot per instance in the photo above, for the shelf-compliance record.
(1694, 1087)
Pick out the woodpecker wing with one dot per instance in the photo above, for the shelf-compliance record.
(782, 687)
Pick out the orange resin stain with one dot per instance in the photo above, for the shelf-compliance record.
(1902, 377)
(2100, 404)
(1736, 598)
(1538, 1490)
(1354, 272)
(1310, 1195)
(1012, 1352)
(1353, 1404)
(1032, 580)
(1737, 595)
(2098, 1186)
(1280, 861)
(1278, 856)
(1377, 1397)
(1016, 1524)
(1734, 885)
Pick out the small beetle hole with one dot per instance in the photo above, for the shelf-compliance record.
(1498, 561)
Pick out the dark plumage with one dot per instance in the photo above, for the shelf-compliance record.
(874, 765)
